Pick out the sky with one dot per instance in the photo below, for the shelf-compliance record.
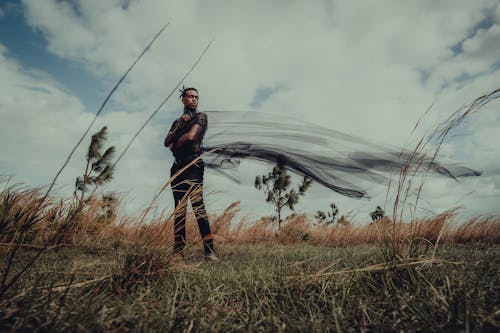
(369, 69)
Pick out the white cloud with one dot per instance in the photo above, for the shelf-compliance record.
(35, 115)
(41, 123)
(484, 44)
(351, 66)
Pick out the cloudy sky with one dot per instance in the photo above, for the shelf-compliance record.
(367, 68)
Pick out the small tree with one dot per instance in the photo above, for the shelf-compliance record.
(99, 168)
(332, 214)
(276, 185)
(378, 214)
(321, 216)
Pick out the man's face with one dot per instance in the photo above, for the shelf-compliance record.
(190, 100)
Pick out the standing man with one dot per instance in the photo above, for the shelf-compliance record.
(185, 141)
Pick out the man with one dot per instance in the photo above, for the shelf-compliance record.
(185, 141)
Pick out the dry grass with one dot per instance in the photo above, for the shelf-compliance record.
(148, 246)
(63, 222)
(55, 222)
(438, 229)
(128, 259)
(481, 230)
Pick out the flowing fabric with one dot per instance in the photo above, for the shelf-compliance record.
(338, 161)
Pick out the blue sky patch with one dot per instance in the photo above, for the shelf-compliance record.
(29, 47)
(487, 22)
(262, 95)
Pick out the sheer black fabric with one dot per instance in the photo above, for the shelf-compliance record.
(338, 161)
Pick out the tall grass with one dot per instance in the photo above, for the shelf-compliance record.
(116, 265)
(61, 221)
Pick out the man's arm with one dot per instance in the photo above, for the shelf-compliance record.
(174, 130)
(192, 135)
(195, 133)
(171, 134)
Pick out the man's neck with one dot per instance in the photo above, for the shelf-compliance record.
(191, 112)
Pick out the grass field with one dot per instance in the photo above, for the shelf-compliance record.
(257, 287)
(70, 267)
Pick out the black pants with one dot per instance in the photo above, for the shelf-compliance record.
(189, 185)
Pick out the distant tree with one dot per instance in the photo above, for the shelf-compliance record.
(329, 216)
(99, 167)
(378, 214)
(320, 216)
(332, 214)
(276, 185)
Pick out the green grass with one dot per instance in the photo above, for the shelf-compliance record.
(257, 288)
